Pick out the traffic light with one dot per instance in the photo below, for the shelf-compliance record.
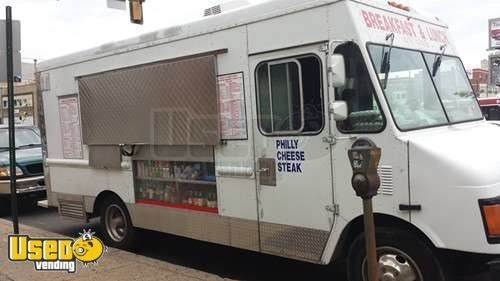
(136, 15)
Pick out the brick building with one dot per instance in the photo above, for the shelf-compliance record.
(479, 80)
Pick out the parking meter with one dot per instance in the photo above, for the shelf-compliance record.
(365, 157)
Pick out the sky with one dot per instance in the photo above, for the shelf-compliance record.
(51, 28)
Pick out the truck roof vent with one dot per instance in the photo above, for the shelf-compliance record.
(212, 11)
(224, 7)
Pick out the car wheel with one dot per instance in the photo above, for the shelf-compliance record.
(402, 256)
(117, 229)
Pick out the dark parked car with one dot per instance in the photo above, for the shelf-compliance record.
(490, 108)
(29, 159)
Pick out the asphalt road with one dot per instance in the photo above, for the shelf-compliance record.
(223, 261)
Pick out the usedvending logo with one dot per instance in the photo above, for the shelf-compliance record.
(56, 254)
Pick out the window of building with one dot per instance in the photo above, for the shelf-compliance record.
(365, 115)
(289, 96)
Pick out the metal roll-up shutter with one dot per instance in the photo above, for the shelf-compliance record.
(166, 103)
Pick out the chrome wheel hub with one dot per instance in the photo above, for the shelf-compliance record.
(396, 268)
(395, 265)
(116, 224)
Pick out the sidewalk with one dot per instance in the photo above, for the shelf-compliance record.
(114, 264)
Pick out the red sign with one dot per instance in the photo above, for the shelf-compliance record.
(489, 102)
(402, 26)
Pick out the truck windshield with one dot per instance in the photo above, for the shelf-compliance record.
(418, 100)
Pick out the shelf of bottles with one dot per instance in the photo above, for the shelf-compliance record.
(184, 185)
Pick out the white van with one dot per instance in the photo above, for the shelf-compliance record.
(232, 130)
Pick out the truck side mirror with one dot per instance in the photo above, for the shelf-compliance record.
(337, 71)
(339, 111)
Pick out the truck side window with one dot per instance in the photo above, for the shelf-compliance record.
(289, 96)
(365, 115)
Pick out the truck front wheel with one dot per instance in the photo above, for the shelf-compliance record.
(116, 224)
(402, 257)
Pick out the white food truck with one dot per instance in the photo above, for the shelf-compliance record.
(234, 129)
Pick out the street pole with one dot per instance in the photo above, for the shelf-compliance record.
(12, 139)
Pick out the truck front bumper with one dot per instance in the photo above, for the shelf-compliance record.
(25, 186)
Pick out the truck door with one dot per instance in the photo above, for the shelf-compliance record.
(293, 162)
(366, 119)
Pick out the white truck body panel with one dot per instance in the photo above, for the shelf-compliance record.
(456, 181)
(420, 172)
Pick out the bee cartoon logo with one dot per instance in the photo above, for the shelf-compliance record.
(56, 254)
(88, 248)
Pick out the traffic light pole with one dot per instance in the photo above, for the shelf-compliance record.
(12, 139)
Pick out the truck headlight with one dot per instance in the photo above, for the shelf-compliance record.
(490, 210)
(5, 171)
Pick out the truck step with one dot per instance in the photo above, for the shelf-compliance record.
(43, 204)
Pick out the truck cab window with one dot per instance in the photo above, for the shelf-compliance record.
(365, 115)
(289, 96)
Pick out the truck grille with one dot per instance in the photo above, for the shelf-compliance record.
(34, 169)
(73, 210)
(386, 180)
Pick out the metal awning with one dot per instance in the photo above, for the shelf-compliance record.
(166, 103)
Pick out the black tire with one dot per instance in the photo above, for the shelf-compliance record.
(122, 239)
(4, 206)
(404, 247)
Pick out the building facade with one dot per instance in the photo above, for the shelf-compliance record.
(479, 81)
(494, 68)
(25, 103)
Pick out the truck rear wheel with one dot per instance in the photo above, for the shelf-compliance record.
(117, 229)
(402, 257)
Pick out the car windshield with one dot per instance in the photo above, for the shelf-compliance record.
(24, 138)
(419, 100)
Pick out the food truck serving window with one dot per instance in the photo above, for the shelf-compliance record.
(165, 103)
(289, 96)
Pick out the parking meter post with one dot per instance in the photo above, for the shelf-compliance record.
(364, 157)
(371, 247)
